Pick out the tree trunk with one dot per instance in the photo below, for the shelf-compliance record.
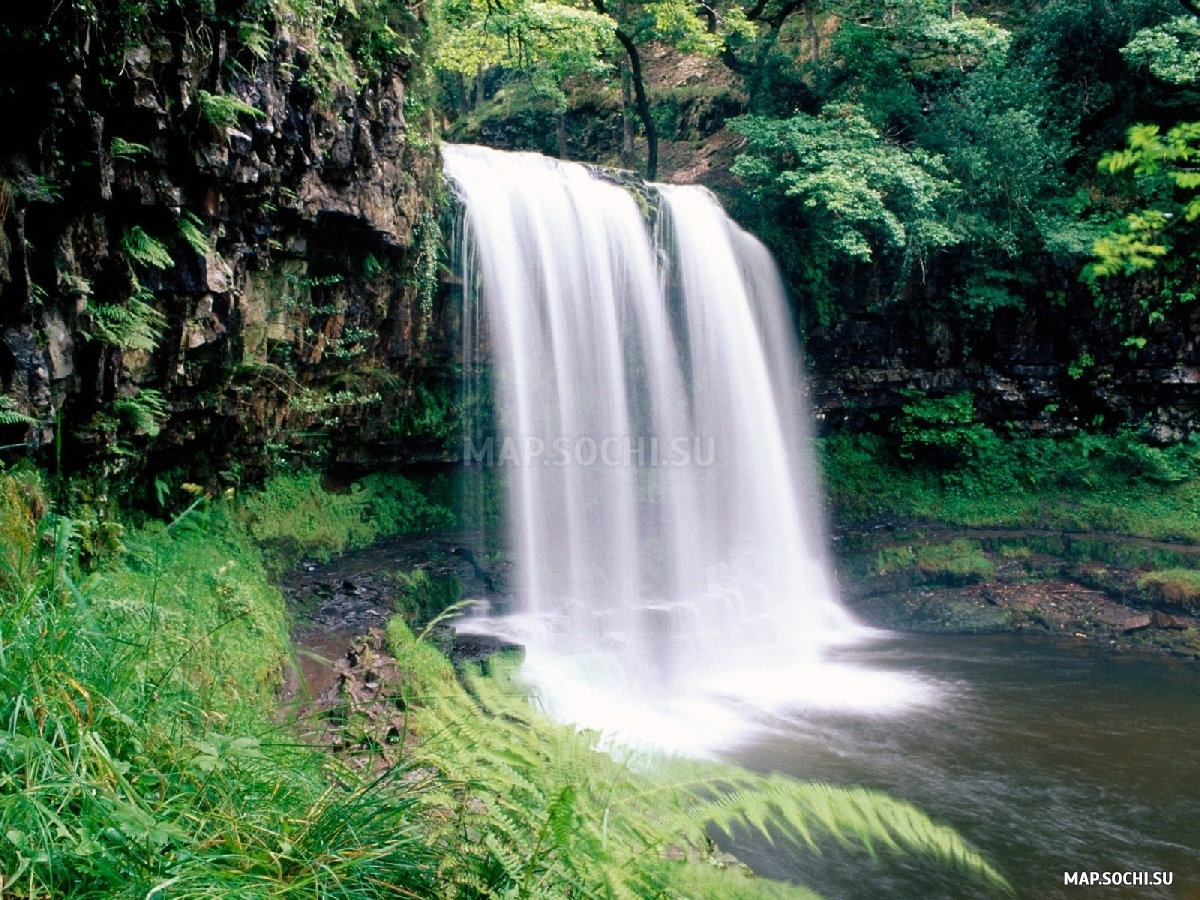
(643, 104)
(814, 38)
(639, 93)
(628, 123)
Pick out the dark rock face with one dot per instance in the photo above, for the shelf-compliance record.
(297, 312)
(1049, 368)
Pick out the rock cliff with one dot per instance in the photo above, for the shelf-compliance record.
(211, 256)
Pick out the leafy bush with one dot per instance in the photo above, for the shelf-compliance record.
(942, 430)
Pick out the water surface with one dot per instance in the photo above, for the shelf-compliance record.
(1049, 757)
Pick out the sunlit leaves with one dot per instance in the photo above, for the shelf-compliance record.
(1167, 168)
(1170, 51)
(859, 192)
(525, 34)
(963, 41)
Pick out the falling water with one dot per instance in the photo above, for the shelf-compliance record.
(671, 573)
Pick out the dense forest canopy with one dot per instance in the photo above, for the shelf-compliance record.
(894, 146)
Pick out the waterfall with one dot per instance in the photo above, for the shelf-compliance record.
(668, 534)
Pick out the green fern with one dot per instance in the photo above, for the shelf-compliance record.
(145, 250)
(531, 809)
(226, 112)
(145, 411)
(119, 148)
(192, 229)
(135, 326)
(10, 415)
(256, 39)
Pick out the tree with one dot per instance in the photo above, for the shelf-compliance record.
(832, 190)
(1167, 168)
(546, 40)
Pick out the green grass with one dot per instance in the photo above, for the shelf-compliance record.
(1179, 587)
(959, 561)
(1085, 483)
(295, 516)
(140, 755)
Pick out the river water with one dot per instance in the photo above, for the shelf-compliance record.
(1049, 757)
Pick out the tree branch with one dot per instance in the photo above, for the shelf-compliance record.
(639, 94)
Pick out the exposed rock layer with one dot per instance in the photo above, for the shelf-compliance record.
(295, 315)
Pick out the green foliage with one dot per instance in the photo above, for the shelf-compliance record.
(1087, 482)
(137, 752)
(942, 429)
(119, 148)
(145, 411)
(295, 513)
(399, 506)
(1001, 142)
(223, 111)
(1169, 178)
(420, 596)
(1170, 51)
(960, 561)
(295, 516)
(429, 264)
(10, 415)
(553, 38)
(431, 414)
(532, 809)
(1180, 587)
(256, 39)
(192, 229)
(134, 325)
(144, 250)
(866, 192)
(850, 194)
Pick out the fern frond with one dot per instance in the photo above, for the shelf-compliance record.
(530, 808)
(145, 411)
(143, 249)
(135, 326)
(192, 229)
(119, 148)
(256, 39)
(224, 111)
(10, 415)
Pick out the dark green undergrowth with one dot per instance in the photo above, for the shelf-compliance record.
(1105, 483)
(143, 753)
(295, 516)
(140, 751)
